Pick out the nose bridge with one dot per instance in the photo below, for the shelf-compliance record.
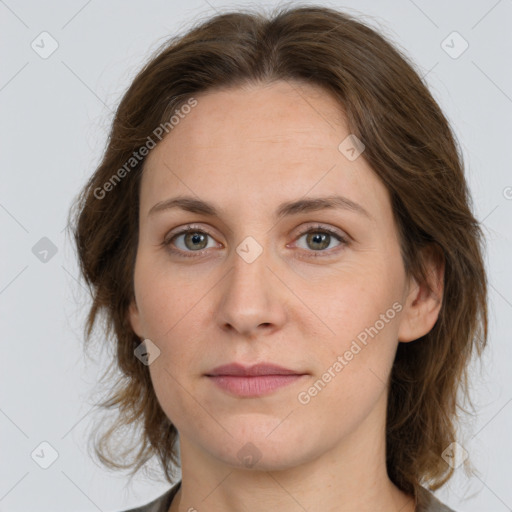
(250, 272)
(250, 255)
(250, 295)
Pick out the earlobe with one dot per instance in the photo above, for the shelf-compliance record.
(424, 300)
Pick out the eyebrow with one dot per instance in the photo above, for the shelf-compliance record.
(194, 205)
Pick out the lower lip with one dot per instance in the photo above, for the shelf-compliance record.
(253, 386)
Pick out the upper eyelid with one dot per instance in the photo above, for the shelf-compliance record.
(315, 225)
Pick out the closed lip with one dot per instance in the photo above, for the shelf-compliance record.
(240, 370)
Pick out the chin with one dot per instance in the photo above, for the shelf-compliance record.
(261, 453)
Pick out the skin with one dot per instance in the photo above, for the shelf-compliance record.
(247, 150)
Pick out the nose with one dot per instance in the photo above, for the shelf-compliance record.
(251, 298)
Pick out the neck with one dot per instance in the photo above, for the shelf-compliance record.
(264, 491)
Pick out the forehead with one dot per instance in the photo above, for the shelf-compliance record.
(280, 112)
(278, 140)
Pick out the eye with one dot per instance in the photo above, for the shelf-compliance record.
(318, 238)
(193, 240)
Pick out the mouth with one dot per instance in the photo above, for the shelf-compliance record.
(257, 380)
(257, 370)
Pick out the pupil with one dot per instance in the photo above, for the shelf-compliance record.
(196, 238)
(317, 239)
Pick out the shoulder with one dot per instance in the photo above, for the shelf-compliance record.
(427, 502)
(160, 504)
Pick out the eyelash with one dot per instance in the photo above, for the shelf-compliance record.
(310, 229)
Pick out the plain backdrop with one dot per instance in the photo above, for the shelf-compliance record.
(55, 113)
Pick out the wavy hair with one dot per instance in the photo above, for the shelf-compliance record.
(409, 145)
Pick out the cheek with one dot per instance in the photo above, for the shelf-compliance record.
(171, 314)
(175, 373)
(353, 366)
(362, 312)
(164, 299)
(357, 300)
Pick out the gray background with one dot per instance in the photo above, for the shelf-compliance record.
(55, 116)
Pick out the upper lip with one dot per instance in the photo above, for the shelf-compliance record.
(248, 371)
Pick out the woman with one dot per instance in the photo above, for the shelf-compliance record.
(281, 240)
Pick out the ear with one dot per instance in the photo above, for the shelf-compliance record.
(134, 318)
(424, 300)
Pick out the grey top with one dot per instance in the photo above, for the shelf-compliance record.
(427, 502)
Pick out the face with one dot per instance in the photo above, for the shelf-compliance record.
(319, 291)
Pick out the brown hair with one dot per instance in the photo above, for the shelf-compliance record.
(409, 145)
